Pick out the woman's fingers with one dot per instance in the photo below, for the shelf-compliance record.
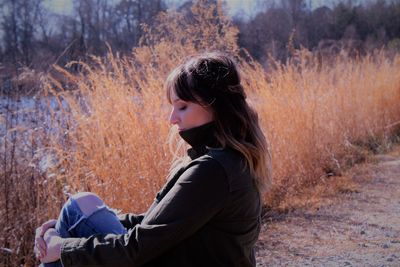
(54, 242)
(40, 244)
(49, 224)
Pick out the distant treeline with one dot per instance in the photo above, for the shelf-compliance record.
(354, 28)
(34, 37)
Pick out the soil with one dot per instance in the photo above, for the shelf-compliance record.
(357, 228)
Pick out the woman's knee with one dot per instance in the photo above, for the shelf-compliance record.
(88, 202)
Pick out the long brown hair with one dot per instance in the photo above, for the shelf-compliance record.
(212, 79)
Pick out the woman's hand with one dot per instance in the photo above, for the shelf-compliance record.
(53, 244)
(40, 244)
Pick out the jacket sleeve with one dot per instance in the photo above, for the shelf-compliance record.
(199, 193)
(129, 220)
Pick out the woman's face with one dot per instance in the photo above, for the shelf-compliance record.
(187, 115)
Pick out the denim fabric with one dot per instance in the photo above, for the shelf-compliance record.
(72, 222)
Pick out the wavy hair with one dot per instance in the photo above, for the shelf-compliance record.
(213, 80)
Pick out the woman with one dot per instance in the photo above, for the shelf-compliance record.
(208, 213)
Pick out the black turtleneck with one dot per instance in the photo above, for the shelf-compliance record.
(199, 138)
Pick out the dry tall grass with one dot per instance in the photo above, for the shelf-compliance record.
(106, 129)
(315, 120)
(319, 118)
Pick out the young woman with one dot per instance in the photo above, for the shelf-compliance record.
(208, 213)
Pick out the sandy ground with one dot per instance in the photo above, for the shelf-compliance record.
(360, 228)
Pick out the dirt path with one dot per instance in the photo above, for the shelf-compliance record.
(357, 229)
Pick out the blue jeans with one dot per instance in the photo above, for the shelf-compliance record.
(72, 222)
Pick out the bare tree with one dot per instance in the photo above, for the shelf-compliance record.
(18, 18)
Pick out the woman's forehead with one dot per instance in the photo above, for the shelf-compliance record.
(173, 96)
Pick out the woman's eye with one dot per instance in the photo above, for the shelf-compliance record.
(182, 108)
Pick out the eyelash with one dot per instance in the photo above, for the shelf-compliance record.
(182, 108)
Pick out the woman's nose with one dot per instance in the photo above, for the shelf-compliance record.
(172, 117)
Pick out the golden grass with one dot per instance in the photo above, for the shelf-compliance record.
(315, 117)
(119, 113)
(115, 136)
(109, 129)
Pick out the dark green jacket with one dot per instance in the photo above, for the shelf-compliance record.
(207, 214)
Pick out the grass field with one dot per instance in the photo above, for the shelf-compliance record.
(105, 129)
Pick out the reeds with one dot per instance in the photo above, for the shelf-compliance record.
(105, 129)
(320, 118)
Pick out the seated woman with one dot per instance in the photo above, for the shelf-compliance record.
(209, 211)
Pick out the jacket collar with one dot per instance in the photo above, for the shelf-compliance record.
(199, 138)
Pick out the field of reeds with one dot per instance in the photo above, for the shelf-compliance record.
(105, 129)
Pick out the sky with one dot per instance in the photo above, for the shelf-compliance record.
(65, 6)
(59, 6)
(246, 8)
